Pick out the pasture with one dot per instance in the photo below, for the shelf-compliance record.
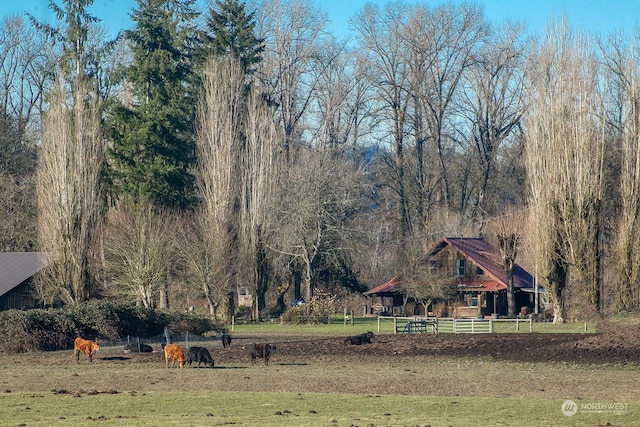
(314, 379)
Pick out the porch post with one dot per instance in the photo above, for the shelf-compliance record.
(495, 302)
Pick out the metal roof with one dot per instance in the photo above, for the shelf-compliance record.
(480, 253)
(16, 267)
(389, 287)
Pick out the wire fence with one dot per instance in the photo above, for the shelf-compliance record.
(156, 343)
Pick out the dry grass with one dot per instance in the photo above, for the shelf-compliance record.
(137, 389)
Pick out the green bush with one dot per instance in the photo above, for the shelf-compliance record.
(55, 329)
(198, 324)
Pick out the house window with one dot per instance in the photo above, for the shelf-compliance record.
(433, 266)
(479, 271)
(460, 267)
(473, 299)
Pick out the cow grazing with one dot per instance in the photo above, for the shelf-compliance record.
(88, 347)
(138, 348)
(226, 340)
(262, 351)
(175, 353)
(359, 339)
(200, 355)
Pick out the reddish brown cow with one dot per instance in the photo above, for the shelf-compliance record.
(88, 347)
(175, 353)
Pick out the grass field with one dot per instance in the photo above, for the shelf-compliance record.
(49, 389)
(362, 324)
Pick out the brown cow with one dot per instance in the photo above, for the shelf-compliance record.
(88, 347)
(175, 353)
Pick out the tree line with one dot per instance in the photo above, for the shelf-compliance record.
(245, 145)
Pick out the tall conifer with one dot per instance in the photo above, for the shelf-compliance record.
(231, 31)
(153, 139)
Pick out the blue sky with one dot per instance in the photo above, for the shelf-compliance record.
(592, 16)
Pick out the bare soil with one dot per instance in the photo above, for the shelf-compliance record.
(610, 346)
(451, 365)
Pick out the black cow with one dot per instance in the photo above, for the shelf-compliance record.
(200, 355)
(226, 340)
(262, 351)
(135, 348)
(359, 339)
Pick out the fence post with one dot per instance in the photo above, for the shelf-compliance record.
(233, 323)
(395, 325)
(530, 326)
(351, 317)
(517, 325)
(378, 323)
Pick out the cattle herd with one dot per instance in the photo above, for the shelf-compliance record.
(175, 354)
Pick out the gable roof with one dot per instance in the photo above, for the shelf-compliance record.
(479, 252)
(16, 267)
(485, 256)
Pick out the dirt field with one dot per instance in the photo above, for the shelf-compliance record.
(616, 348)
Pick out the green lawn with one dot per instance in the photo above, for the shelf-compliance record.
(363, 324)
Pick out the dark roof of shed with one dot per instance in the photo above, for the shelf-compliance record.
(16, 267)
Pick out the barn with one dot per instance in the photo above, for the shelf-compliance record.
(16, 272)
(475, 277)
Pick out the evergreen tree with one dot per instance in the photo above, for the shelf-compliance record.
(231, 31)
(153, 138)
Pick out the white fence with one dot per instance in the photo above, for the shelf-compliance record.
(419, 324)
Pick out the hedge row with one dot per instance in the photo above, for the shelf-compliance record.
(55, 329)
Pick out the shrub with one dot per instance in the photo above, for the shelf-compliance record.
(55, 329)
(294, 316)
(198, 324)
(317, 310)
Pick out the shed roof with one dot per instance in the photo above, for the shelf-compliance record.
(392, 286)
(16, 267)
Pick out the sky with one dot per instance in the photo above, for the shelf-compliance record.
(591, 16)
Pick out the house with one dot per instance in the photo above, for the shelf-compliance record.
(472, 270)
(16, 271)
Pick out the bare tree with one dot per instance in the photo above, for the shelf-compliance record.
(565, 165)
(221, 119)
(494, 105)
(237, 166)
(342, 113)
(380, 32)
(22, 62)
(320, 197)
(292, 30)
(443, 44)
(623, 77)
(422, 284)
(138, 249)
(69, 191)
(507, 230)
